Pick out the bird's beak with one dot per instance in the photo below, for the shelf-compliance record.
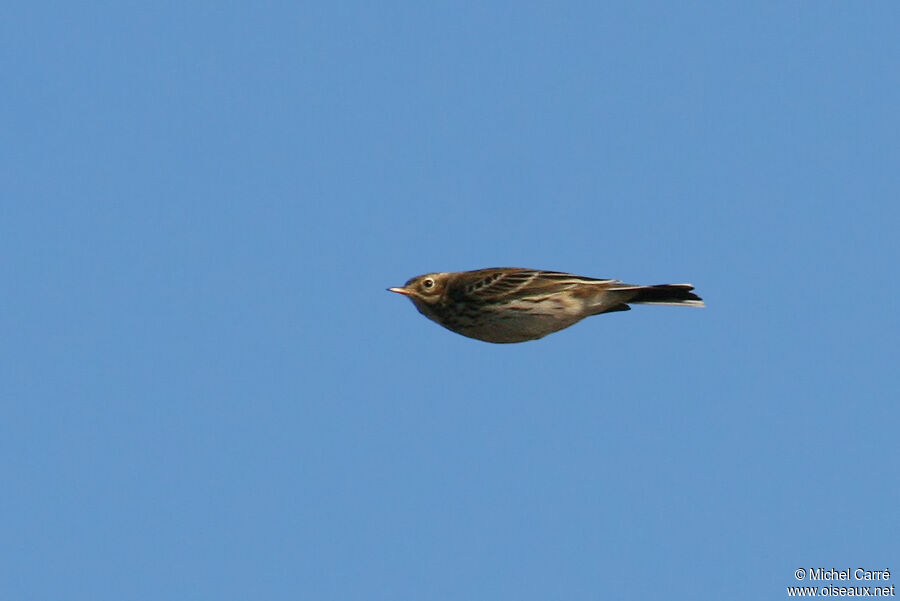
(403, 291)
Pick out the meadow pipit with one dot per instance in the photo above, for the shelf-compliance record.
(509, 304)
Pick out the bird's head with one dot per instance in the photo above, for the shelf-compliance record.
(425, 290)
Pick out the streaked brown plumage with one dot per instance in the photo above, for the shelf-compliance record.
(510, 304)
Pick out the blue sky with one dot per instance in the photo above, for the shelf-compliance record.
(206, 392)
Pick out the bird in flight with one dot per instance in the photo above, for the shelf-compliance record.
(510, 304)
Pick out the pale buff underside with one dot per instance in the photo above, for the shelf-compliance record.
(519, 320)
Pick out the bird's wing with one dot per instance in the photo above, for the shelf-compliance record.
(496, 284)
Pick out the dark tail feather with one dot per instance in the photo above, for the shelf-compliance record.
(667, 294)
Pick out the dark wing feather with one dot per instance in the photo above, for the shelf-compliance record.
(505, 282)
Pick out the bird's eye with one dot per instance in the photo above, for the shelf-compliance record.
(427, 283)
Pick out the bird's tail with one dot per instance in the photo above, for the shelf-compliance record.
(664, 294)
